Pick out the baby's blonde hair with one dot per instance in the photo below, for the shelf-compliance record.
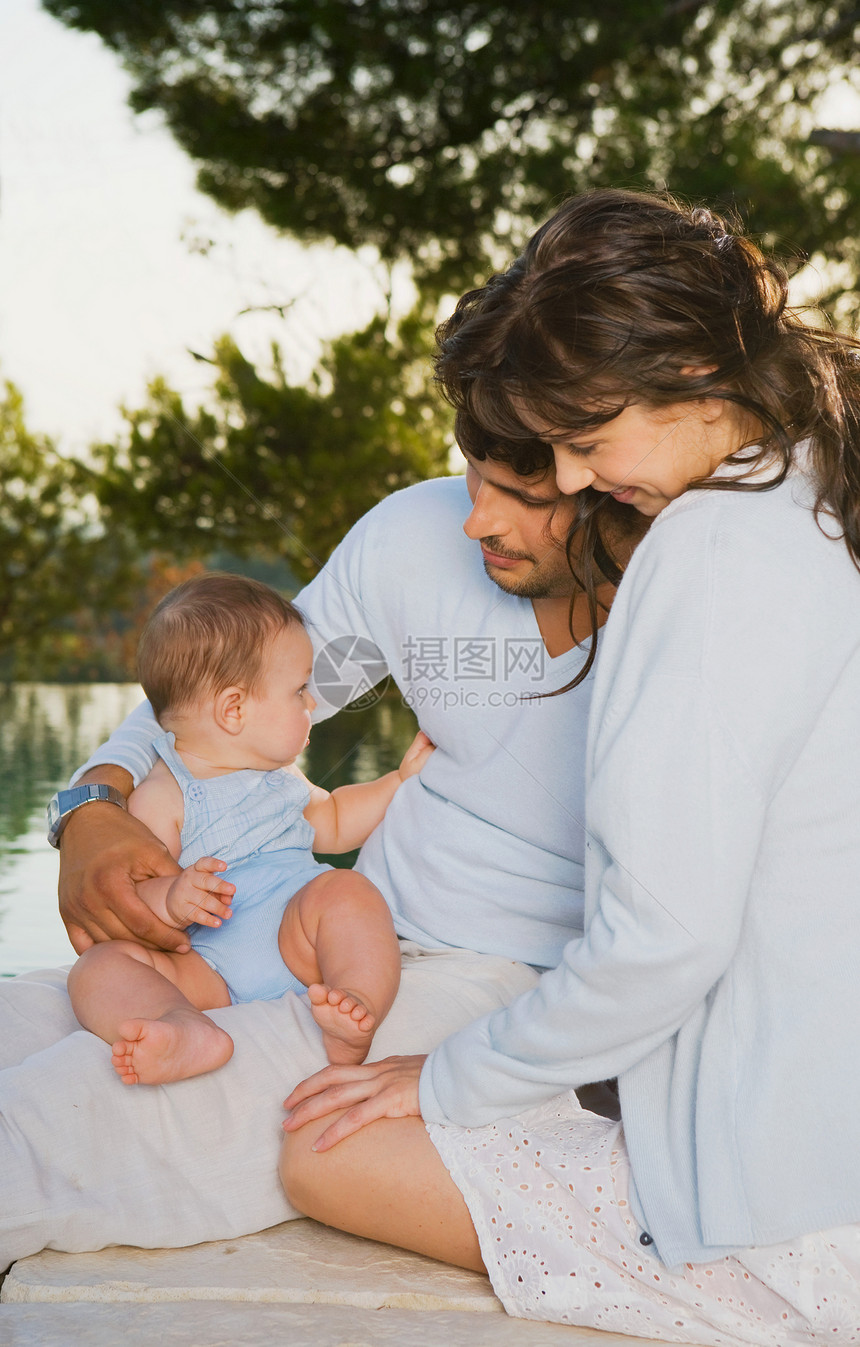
(208, 634)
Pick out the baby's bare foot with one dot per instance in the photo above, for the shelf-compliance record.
(347, 1024)
(183, 1043)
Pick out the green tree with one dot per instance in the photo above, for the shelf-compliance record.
(437, 129)
(58, 563)
(269, 468)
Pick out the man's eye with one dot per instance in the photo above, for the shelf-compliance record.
(537, 504)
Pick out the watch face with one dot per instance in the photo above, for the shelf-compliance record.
(64, 803)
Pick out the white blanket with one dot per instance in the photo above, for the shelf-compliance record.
(86, 1161)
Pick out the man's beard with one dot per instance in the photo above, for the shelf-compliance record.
(549, 578)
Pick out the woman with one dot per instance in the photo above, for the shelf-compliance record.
(718, 976)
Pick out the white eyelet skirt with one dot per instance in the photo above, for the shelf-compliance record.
(547, 1193)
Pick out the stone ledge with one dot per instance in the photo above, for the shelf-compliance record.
(225, 1325)
(299, 1262)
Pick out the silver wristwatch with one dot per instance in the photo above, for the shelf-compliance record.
(65, 802)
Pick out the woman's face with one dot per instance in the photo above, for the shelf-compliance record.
(645, 456)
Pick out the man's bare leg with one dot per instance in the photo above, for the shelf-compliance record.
(385, 1182)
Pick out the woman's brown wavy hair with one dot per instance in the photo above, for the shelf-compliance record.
(614, 300)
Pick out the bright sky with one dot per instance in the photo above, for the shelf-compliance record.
(98, 290)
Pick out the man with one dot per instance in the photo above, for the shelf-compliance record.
(481, 861)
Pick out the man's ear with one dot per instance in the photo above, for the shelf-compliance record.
(229, 710)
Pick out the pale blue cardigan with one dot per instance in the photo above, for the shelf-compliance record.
(719, 973)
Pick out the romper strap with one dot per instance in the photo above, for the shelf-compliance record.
(164, 746)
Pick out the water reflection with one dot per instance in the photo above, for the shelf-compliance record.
(46, 730)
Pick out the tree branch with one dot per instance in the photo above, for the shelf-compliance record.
(840, 142)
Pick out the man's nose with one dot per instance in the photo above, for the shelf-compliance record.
(486, 518)
(571, 475)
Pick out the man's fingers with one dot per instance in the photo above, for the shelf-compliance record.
(161, 936)
(94, 932)
(139, 923)
(108, 926)
(103, 854)
(78, 936)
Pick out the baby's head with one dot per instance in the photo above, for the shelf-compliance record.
(208, 634)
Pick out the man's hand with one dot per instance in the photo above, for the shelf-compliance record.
(386, 1089)
(104, 852)
(416, 755)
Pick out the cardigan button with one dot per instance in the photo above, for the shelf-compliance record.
(645, 1239)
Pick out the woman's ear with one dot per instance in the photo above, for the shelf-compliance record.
(693, 371)
(229, 710)
(711, 408)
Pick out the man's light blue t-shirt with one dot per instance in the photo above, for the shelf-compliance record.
(485, 849)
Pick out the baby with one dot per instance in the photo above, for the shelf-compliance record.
(225, 662)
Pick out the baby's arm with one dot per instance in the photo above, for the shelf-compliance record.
(346, 817)
(196, 893)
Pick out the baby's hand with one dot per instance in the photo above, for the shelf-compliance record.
(416, 755)
(199, 895)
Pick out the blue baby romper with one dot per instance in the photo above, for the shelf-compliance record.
(253, 821)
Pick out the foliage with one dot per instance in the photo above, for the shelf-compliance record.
(267, 474)
(272, 469)
(100, 646)
(431, 128)
(56, 559)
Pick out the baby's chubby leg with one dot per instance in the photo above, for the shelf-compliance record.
(148, 1004)
(338, 938)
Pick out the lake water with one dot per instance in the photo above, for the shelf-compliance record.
(47, 730)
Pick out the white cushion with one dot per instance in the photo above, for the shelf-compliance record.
(87, 1161)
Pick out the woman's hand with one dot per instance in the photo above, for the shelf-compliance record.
(104, 852)
(386, 1089)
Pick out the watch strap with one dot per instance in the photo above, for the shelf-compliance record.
(65, 802)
